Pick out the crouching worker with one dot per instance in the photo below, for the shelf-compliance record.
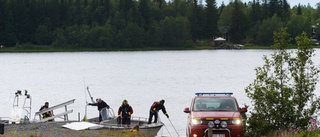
(124, 113)
(100, 104)
(135, 128)
(48, 113)
(155, 107)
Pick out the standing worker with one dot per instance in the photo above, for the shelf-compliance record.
(155, 107)
(124, 113)
(100, 104)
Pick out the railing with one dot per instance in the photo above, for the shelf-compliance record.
(140, 119)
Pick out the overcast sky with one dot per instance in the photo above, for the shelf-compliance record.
(291, 2)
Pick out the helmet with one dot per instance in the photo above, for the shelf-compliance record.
(125, 102)
(162, 101)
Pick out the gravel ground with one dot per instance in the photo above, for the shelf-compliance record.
(47, 129)
(55, 129)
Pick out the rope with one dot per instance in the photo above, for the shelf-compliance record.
(174, 127)
(167, 130)
(163, 124)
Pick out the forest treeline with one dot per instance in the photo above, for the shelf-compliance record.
(120, 24)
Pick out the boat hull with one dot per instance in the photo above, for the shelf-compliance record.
(137, 123)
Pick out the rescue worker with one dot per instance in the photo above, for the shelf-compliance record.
(100, 104)
(124, 113)
(135, 128)
(155, 107)
(46, 114)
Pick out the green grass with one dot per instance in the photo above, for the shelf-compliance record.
(201, 45)
(302, 133)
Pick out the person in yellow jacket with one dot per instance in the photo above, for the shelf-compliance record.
(46, 114)
(155, 107)
(124, 113)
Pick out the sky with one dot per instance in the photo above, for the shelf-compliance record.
(291, 2)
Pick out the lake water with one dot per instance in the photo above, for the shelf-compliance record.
(139, 77)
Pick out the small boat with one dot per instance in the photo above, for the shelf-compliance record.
(137, 123)
(110, 122)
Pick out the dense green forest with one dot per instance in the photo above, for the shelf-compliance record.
(109, 24)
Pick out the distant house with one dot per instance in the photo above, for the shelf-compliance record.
(221, 43)
(219, 39)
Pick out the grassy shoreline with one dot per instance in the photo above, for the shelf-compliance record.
(52, 49)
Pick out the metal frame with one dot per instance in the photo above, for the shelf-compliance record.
(24, 107)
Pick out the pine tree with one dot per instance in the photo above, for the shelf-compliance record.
(299, 10)
(265, 10)
(255, 13)
(273, 7)
(2, 22)
(211, 19)
(237, 27)
(194, 21)
(145, 13)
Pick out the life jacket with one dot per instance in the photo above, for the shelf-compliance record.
(156, 106)
(46, 114)
(125, 110)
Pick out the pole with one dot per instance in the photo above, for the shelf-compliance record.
(90, 95)
(85, 95)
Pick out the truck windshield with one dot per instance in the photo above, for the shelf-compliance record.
(216, 104)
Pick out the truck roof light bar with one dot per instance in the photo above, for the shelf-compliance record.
(213, 93)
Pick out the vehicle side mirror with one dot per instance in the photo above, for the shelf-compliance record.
(243, 110)
(186, 110)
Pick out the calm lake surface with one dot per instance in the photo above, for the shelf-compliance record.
(139, 77)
